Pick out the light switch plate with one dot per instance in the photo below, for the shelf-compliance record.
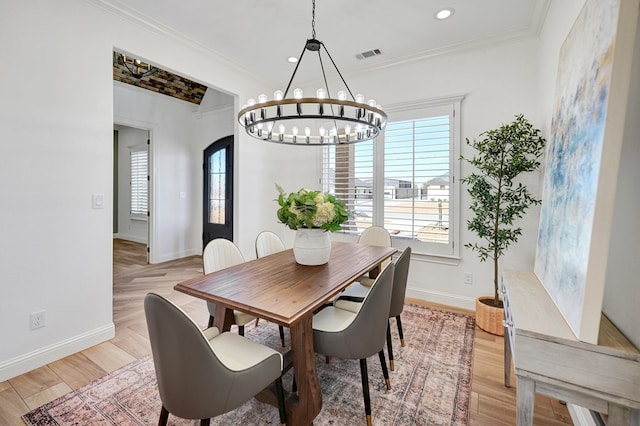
(97, 201)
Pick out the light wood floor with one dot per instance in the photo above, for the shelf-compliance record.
(491, 403)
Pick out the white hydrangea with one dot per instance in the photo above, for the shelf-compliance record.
(325, 212)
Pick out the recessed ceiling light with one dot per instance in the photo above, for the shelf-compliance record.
(292, 59)
(444, 13)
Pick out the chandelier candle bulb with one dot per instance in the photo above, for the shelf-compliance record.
(278, 95)
(263, 112)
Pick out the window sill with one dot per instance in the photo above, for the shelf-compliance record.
(436, 258)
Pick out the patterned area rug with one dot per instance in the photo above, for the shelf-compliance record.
(431, 384)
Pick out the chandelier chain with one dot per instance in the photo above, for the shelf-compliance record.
(313, 20)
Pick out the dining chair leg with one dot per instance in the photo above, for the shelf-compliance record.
(281, 329)
(399, 323)
(257, 320)
(390, 346)
(205, 422)
(164, 416)
(281, 407)
(385, 372)
(241, 330)
(365, 389)
(210, 321)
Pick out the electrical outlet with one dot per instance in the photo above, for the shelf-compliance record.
(468, 278)
(37, 320)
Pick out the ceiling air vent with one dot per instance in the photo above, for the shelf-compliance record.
(369, 54)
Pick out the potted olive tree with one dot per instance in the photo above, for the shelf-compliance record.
(498, 199)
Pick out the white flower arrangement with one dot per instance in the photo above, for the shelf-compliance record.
(311, 209)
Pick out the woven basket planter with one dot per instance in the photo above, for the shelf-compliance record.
(489, 318)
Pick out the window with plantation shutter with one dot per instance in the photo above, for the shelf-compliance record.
(139, 182)
(405, 180)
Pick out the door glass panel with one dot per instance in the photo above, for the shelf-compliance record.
(216, 214)
(217, 185)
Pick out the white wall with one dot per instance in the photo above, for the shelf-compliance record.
(132, 229)
(56, 150)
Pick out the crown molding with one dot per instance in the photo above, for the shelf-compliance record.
(533, 30)
(140, 20)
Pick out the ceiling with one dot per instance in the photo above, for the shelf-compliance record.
(259, 35)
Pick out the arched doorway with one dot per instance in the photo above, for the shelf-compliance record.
(218, 191)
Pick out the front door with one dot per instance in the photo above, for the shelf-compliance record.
(218, 191)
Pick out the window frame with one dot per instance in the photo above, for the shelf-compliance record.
(134, 180)
(413, 111)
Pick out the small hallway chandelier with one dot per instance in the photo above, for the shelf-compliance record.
(136, 67)
(319, 120)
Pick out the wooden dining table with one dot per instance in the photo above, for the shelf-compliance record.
(279, 290)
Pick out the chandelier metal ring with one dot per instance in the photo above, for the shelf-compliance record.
(343, 121)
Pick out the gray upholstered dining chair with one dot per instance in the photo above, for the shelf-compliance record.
(358, 335)
(374, 236)
(218, 254)
(268, 243)
(351, 299)
(202, 374)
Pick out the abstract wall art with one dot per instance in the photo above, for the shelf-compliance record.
(573, 184)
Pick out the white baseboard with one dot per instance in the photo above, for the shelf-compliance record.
(165, 257)
(43, 356)
(134, 238)
(175, 255)
(448, 299)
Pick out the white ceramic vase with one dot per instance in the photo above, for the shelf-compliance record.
(312, 247)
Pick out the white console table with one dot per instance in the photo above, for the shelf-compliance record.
(548, 359)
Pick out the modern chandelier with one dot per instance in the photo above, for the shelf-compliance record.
(136, 67)
(319, 120)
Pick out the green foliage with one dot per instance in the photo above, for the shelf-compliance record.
(311, 209)
(503, 154)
